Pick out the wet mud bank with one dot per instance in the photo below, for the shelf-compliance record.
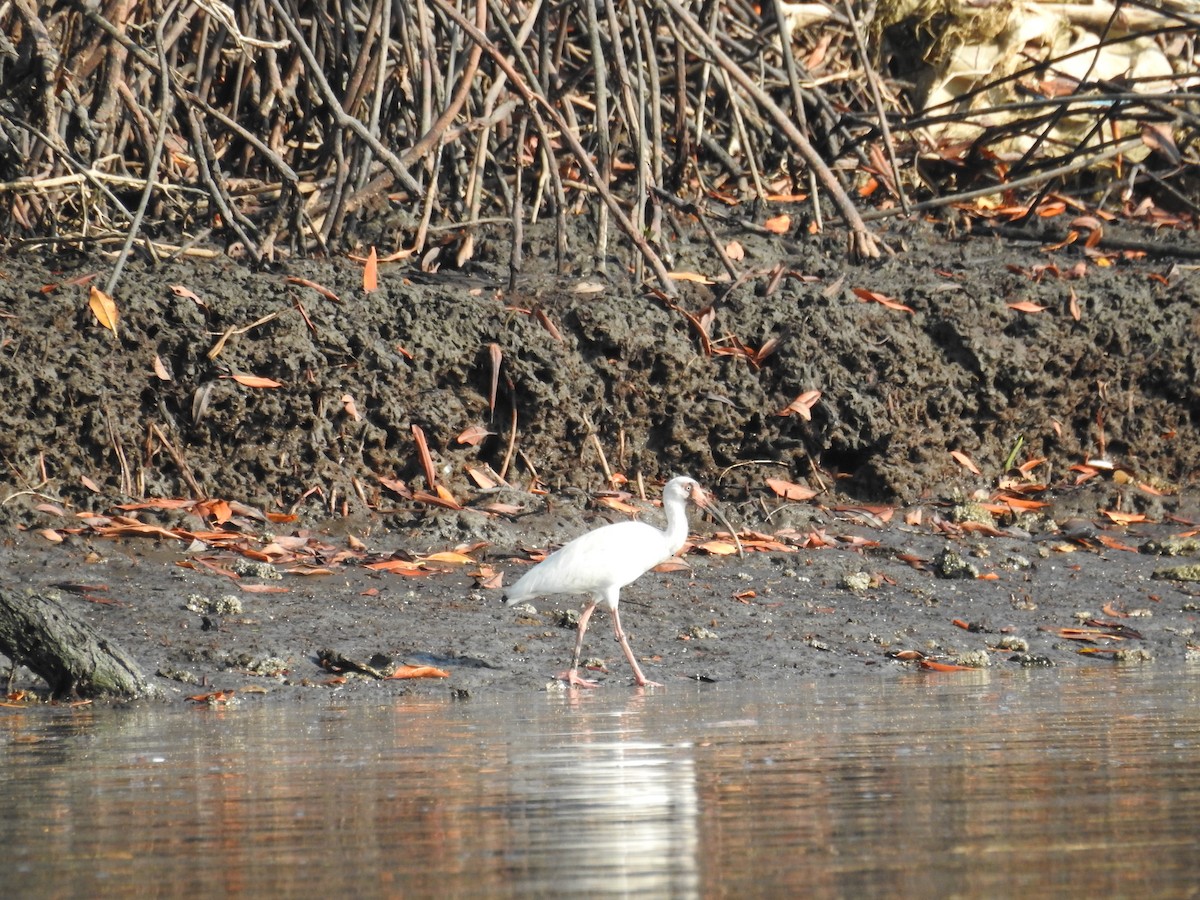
(974, 369)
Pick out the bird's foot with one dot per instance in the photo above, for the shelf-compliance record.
(571, 677)
(645, 683)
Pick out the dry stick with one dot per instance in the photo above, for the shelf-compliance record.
(603, 139)
(533, 100)
(550, 167)
(518, 228)
(164, 98)
(647, 60)
(885, 130)
(793, 77)
(204, 151)
(437, 131)
(863, 244)
(474, 192)
(633, 120)
(341, 117)
(739, 123)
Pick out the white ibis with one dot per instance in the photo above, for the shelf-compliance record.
(603, 561)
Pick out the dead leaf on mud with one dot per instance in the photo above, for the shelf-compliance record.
(780, 224)
(589, 287)
(371, 272)
(320, 289)
(187, 293)
(103, 308)
(472, 435)
(1026, 306)
(160, 370)
(718, 547)
(802, 405)
(418, 672)
(255, 381)
(1122, 518)
(449, 556)
(424, 456)
(735, 251)
(789, 490)
(934, 666)
(271, 588)
(965, 461)
(869, 296)
(351, 407)
(692, 277)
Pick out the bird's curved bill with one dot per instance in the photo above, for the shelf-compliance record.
(705, 501)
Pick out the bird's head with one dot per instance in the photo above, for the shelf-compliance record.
(684, 489)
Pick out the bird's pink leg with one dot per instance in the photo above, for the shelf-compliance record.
(637, 670)
(571, 676)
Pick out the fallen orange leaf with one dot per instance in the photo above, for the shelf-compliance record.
(418, 672)
(1121, 518)
(448, 556)
(802, 405)
(868, 296)
(944, 667)
(320, 289)
(689, 276)
(780, 224)
(791, 491)
(103, 308)
(473, 435)
(371, 272)
(1026, 306)
(256, 381)
(965, 461)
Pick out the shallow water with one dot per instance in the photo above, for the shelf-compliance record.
(1037, 783)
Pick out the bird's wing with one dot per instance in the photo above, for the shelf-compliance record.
(607, 558)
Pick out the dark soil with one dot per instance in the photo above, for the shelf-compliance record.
(87, 425)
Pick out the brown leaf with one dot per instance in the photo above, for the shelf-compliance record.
(689, 276)
(1026, 306)
(473, 435)
(965, 461)
(351, 407)
(418, 672)
(320, 289)
(869, 296)
(791, 491)
(802, 405)
(256, 381)
(449, 556)
(180, 291)
(160, 370)
(1122, 518)
(371, 272)
(423, 455)
(735, 251)
(103, 308)
(780, 224)
(934, 666)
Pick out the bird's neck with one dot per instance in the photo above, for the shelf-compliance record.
(677, 526)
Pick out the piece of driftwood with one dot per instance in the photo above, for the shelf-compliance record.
(40, 632)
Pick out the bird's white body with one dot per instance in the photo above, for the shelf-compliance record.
(601, 562)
